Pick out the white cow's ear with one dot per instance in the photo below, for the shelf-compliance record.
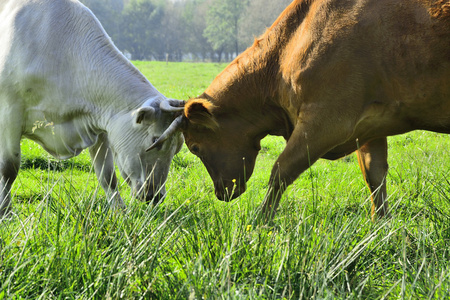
(144, 115)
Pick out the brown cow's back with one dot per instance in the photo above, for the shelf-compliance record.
(379, 61)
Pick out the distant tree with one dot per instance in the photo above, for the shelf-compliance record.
(194, 21)
(259, 15)
(173, 30)
(222, 22)
(141, 29)
(108, 13)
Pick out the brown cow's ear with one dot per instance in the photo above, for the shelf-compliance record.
(200, 112)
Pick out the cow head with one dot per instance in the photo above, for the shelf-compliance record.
(227, 145)
(146, 171)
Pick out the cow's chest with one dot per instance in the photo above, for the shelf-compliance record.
(61, 139)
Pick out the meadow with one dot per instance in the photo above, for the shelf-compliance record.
(62, 242)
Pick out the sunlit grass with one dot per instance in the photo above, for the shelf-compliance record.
(180, 80)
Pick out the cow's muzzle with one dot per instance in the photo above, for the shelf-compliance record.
(154, 199)
(151, 194)
(228, 190)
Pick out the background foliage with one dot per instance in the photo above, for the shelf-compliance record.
(210, 30)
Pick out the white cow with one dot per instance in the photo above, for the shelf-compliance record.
(66, 86)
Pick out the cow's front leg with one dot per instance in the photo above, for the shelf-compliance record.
(306, 145)
(9, 154)
(103, 161)
(372, 159)
(9, 167)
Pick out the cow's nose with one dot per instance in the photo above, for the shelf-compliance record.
(227, 192)
(154, 198)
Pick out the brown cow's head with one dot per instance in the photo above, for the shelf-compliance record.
(226, 144)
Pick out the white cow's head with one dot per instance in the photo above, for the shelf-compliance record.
(146, 171)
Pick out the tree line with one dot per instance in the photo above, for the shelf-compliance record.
(177, 30)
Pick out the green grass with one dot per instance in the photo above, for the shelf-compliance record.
(63, 242)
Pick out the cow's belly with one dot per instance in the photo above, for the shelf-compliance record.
(370, 127)
(62, 141)
(391, 124)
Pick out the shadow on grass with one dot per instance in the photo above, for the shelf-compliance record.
(53, 165)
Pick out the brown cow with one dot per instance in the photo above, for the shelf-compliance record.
(331, 77)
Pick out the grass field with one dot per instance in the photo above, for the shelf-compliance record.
(63, 243)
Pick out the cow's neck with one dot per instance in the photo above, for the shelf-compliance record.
(250, 85)
(108, 83)
(121, 86)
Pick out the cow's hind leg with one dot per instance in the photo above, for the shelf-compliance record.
(102, 158)
(372, 159)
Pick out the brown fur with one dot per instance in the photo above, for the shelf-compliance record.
(200, 111)
(331, 76)
(439, 9)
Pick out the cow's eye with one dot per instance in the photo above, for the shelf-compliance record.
(195, 149)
